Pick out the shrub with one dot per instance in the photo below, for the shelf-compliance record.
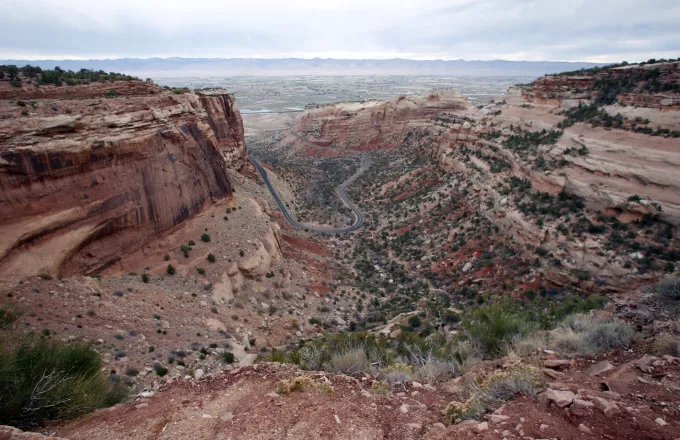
(351, 361)
(598, 335)
(667, 344)
(200, 271)
(397, 373)
(228, 357)
(564, 340)
(414, 322)
(46, 380)
(530, 344)
(166, 257)
(8, 316)
(505, 385)
(669, 288)
(170, 269)
(300, 383)
(381, 387)
(285, 386)
(145, 277)
(310, 357)
(500, 386)
(205, 238)
(160, 370)
(494, 325)
(211, 258)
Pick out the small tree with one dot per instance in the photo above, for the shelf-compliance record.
(170, 269)
(205, 238)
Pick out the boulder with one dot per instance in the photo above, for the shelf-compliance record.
(257, 263)
(481, 427)
(607, 407)
(498, 418)
(600, 368)
(561, 399)
(557, 364)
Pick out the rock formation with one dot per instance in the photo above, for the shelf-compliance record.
(374, 124)
(86, 180)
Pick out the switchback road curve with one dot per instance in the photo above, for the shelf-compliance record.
(342, 193)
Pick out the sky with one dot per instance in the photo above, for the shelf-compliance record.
(539, 30)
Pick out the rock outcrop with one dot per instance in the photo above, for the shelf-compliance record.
(374, 125)
(84, 181)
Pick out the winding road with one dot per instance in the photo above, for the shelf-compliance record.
(342, 193)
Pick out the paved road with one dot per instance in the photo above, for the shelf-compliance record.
(342, 193)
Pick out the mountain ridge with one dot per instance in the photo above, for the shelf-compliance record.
(323, 66)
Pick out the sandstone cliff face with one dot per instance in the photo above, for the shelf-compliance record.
(618, 173)
(99, 178)
(374, 125)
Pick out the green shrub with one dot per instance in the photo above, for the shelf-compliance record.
(44, 380)
(496, 324)
(205, 238)
(200, 271)
(669, 288)
(211, 258)
(145, 277)
(228, 357)
(160, 370)
(170, 269)
(414, 322)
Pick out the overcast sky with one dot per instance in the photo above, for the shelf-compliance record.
(566, 30)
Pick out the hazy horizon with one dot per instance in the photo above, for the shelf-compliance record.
(220, 67)
(514, 30)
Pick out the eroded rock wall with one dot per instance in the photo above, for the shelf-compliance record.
(78, 191)
(374, 125)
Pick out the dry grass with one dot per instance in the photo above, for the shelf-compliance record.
(590, 335)
(301, 383)
(498, 387)
(352, 361)
(667, 343)
(669, 288)
(529, 345)
(397, 373)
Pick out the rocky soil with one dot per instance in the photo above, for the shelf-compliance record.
(620, 395)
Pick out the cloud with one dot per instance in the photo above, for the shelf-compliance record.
(572, 30)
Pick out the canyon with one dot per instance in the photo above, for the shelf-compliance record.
(132, 218)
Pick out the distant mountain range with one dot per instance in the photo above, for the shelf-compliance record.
(205, 67)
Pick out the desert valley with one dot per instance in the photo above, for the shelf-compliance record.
(368, 258)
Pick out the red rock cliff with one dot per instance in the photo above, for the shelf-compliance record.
(374, 124)
(84, 181)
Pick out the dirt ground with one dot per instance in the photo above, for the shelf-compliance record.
(242, 404)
